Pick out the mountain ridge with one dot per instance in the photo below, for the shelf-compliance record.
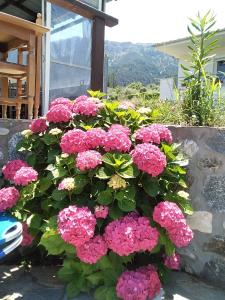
(130, 62)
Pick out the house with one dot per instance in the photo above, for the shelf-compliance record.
(179, 50)
(72, 57)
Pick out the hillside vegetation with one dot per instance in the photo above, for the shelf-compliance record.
(130, 62)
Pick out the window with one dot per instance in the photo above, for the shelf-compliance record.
(221, 71)
(70, 53)
(94, 3)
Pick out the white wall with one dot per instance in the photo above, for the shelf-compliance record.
(167, 89)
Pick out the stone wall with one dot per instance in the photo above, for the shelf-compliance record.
(205, 147)
(9, 136)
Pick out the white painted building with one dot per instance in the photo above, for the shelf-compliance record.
(179, 49)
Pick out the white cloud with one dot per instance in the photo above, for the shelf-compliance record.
(147, 21)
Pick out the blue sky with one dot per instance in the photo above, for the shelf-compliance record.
(150, 21)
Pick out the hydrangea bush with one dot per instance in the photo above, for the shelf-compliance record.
(103, 189)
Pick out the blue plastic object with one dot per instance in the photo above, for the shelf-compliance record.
(10, 234)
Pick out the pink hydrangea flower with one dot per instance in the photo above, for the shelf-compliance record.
(93, 250)
(63, 101)
(121, 128)
(38, 125)
(152, 276)
(164, 133)
(132, 285)
(149, 158)
(27, 237)
(85, 107)
(142, 284)
(181, 234)
(101, 211)
(8, 198)
(25, 175)
(130, 234)
(88, 160)
(10, 169)
(167, 214)
(117, 141)
(170, 217)
(172, 262)
(76, 225)
(126, 105)
(81, 98)
(67, 184)
(147, 135)
(59, 114)
(74, 141)
(95, 138)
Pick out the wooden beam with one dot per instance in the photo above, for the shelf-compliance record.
(97, 65)
(6, 4)
(22, 7)
(86, 11)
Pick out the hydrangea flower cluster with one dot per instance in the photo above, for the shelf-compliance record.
(172, 262)
(8, 198)
(62, 101)
(119, 128)
(117, 141)
(170, 217)
(101, 212)
(141, 284)
(81, 98)
(27, 237)
(38, 125)
(88, 160)
(149, 158)
(116, 182)
(164, 133)
(59, 114)
(10, 169)
(85, 107)
(67, 184)
(74, 141)
(93, 250)
(76, 225)
(130, 234)
(25, 175)
(154, 133)
(95, 138)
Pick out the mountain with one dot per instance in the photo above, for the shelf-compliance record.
(130, 62)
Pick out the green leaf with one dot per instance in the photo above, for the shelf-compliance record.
(43, 185)
(28, 192)
(126, 199)
(96, 278)
(57, 172)
(74, 288)
(34, 221)
(100, 293)
(59, 195)
(31, 159)
(129, 172)
(104, 173)
(53, 243)
(151, 185)
(80, 181)
(52, 153)
(49, 139)
(169, 246)
(115, 212)
(105, 197)
(181, 198)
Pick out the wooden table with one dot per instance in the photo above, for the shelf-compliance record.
(17, 33)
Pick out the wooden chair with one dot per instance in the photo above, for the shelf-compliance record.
(16, 33)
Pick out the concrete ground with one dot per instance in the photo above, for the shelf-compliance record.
(40, 283)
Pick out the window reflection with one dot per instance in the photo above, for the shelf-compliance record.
(71, 39)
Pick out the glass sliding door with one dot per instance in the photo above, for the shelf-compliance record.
(94, 3)
(70, 53)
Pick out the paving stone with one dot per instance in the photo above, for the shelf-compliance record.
(214, 193)
(216, 244)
